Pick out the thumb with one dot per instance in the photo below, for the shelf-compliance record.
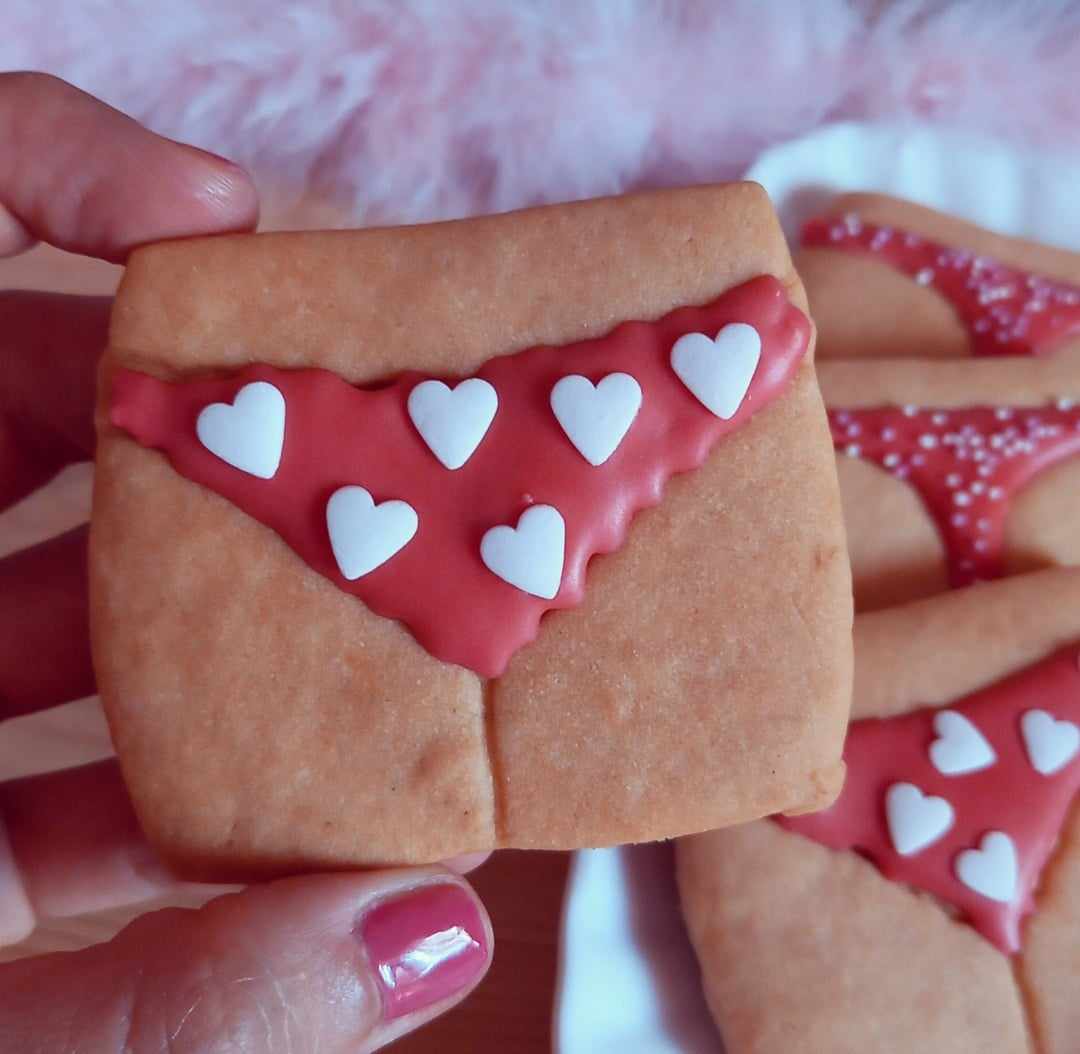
(330, 963)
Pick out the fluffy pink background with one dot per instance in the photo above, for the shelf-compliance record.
(408, 109)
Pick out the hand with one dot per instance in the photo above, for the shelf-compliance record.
(325, 963)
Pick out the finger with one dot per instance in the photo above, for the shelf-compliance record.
(85, 177)
(331, 963)
(466, 862)
(52, 344)
(75, 847)
(45, 626)
(14, 237)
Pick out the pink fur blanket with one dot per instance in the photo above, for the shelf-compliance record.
(408, 109)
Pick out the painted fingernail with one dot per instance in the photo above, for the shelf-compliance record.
(424, 947)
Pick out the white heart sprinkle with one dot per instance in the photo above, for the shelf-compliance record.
(249, 433)
(529, 556)
(915, 820)
(364, 535)
(596, 419)
(718, 372)
(960, 747)
(453, 421)
(1050, 744)
(991, 869)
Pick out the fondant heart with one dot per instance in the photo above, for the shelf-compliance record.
(453, 421)
(915, 820)
(719, 371)
(1050, 744)
(364, 535)
(990, 870)
(596, 419)
(529, 556)
(960, 747)
(249, 433)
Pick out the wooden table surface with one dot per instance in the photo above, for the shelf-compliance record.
(511, 1010)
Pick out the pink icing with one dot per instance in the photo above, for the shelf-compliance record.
(337, 434)
(966, 464)
(1007, 311)
(1009, 796)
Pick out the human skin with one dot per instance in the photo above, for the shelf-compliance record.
(291, 965)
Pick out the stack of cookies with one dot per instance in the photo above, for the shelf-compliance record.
(529, 531)
(936, 904)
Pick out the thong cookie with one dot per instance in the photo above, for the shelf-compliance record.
(965, 802)
(1006, 311)
(468, 511)
(966, 464)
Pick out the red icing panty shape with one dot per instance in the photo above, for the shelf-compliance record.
(966, 464)
(470, 558)
(1006, 311)
(967, 801)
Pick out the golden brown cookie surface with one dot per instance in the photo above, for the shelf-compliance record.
(267, 720)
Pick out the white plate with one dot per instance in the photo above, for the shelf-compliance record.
(629, 983)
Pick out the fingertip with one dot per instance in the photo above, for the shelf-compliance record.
(14, 237)
(467, 862)
(428, 947)
(16, 912)
(348, 961)
(223, 189)
(415, 942)
(78, 174)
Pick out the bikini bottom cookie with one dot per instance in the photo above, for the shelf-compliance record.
(954, 472)
(890, 279)
(936, 905)
(521, 531)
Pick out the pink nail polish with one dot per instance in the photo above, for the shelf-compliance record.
(424, 947)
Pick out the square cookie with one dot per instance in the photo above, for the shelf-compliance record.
(935, 905)
(520, 531)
